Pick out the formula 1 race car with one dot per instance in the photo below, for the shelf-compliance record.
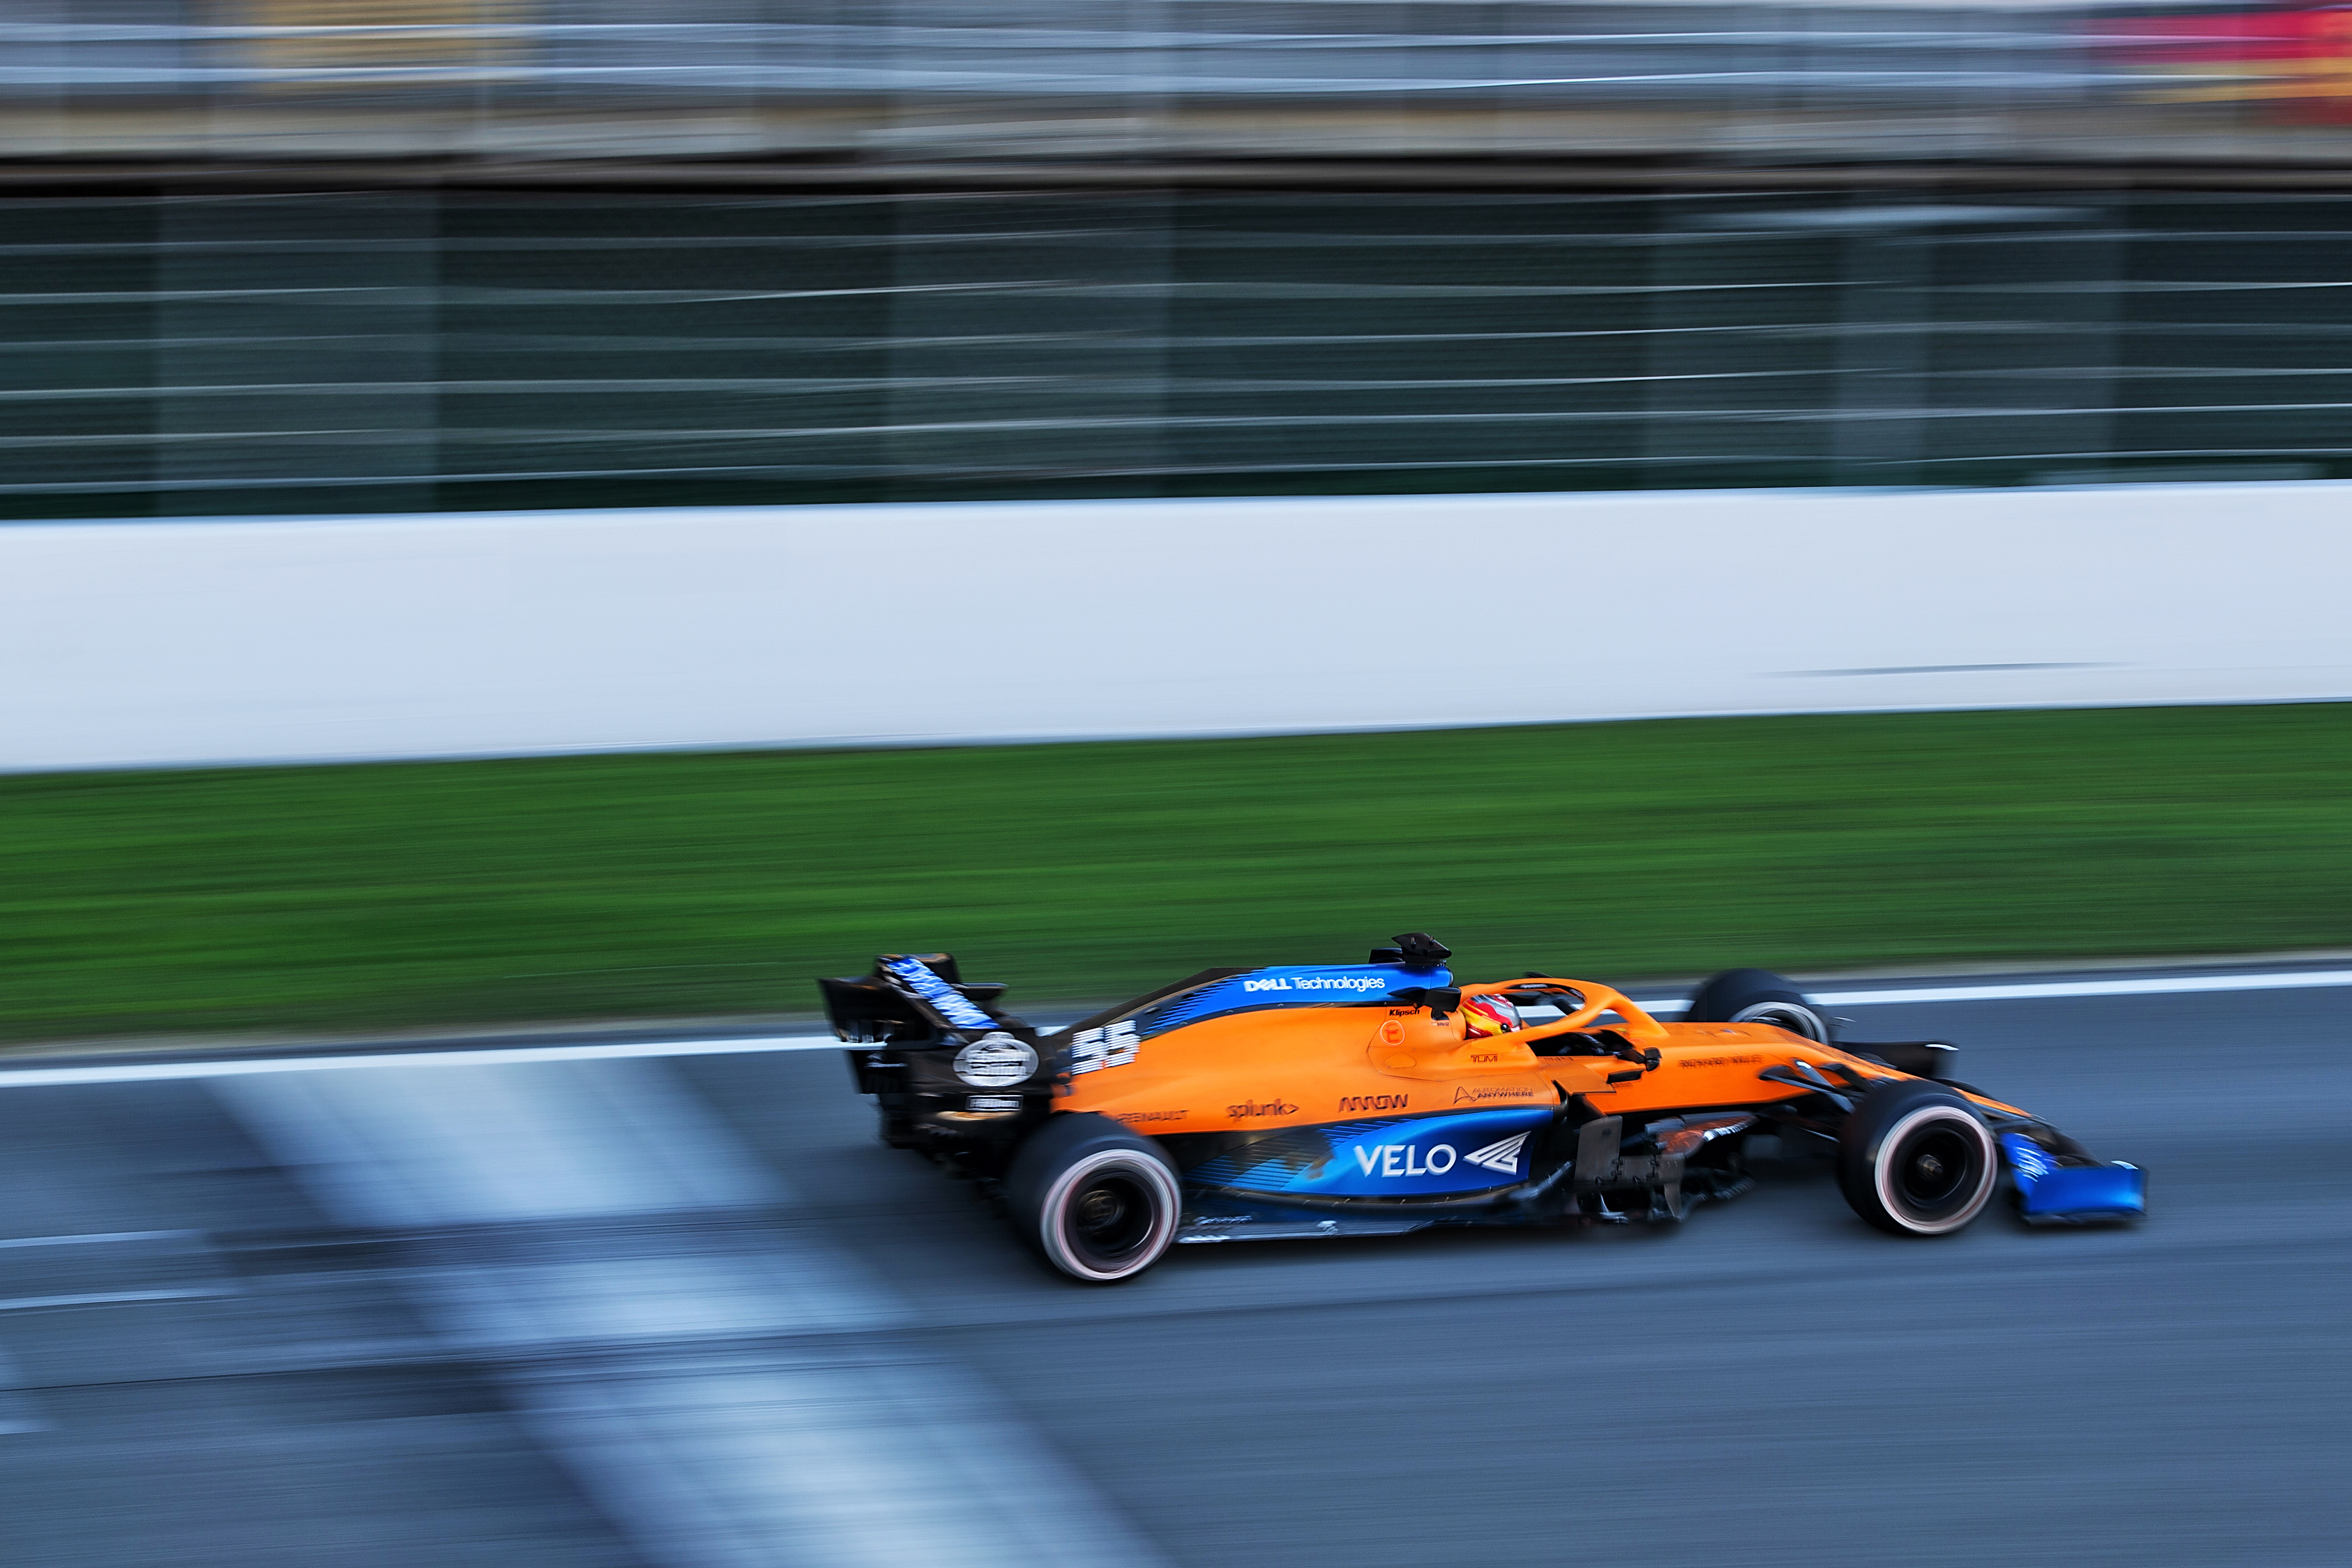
(1373, 1099)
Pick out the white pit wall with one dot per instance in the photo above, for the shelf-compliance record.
(143, 644)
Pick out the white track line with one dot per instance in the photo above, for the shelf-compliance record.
(500, 1055)
(2143, 985)
(110, 1299)
(100, 1237)
(18, 1416)
(504, 1055)
(688, 1373)
(2043, 989)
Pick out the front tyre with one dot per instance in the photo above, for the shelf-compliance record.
(1099, 1202)
(1757, 997)
(1915, 1159)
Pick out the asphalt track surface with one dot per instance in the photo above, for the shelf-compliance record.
(684, 1310)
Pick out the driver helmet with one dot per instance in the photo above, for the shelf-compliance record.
(1484, 1015)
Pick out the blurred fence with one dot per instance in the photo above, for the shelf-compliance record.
(1202, 78)
(235, 353)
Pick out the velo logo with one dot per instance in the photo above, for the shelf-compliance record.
(1391, 1160)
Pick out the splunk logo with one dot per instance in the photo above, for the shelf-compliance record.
(1356, 983)
(1387, 1159)
(1373, 1102)
(1274, 1107)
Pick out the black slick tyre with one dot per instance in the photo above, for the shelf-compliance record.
(1758, 996)
(1099, 1202)
(1915, 1159)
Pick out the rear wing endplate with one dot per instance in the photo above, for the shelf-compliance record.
(909, 998)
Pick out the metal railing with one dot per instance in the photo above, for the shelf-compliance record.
(1158, 75)
(292, 352)
(1534, 49)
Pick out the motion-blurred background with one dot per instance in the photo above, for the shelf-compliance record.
(548, 524)
(1686, 359)
(357, 255)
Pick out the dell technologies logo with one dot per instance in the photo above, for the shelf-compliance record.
(1358, 983)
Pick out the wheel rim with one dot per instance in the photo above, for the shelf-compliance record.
(1114, 1217)
(1793, 1016)
(1935, 1169)
(1110, 1219)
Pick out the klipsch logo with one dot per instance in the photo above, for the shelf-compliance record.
(1373, 1102)
(1256, 1107)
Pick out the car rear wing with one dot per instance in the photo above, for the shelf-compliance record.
(947, 1068)
(913, 999)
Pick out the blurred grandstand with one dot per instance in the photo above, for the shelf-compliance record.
(341, 255)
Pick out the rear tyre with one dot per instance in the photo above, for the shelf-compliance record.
(1101, 1203)
(1915, 1159)
(1758, 996)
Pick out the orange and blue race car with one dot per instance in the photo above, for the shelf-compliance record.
(1373, 1099)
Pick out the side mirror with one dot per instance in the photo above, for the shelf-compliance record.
(1422, 950)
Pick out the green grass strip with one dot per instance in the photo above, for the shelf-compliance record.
(366, 897)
